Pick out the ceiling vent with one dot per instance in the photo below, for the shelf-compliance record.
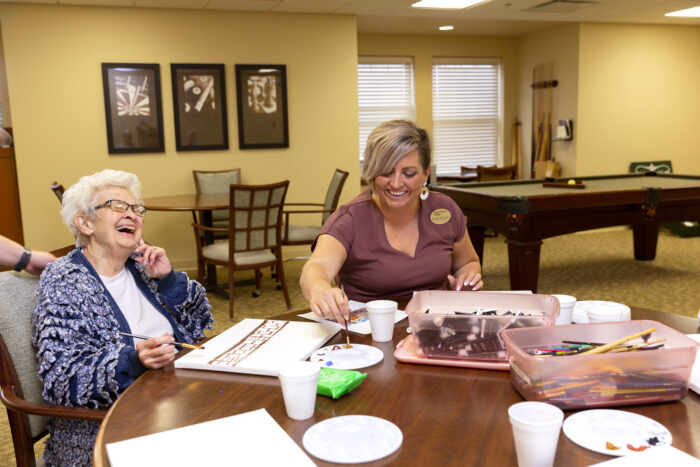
(561, 6)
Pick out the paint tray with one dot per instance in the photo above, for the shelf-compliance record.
(445, 324)
(600, 380)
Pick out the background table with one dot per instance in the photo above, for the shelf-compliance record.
(448, 416)
(204, 203)
(525, 212)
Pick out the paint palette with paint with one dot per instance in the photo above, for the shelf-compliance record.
(338, 356)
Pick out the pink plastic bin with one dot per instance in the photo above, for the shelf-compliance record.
(600, 380)
(442, 333)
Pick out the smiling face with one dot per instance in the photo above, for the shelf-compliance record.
(401, 187)
(111, 230)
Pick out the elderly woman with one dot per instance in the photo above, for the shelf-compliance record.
(113, 282)
(394, 238)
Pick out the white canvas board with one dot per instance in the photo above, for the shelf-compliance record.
(251, 438)
(294, 341)
(694, 383)
(358, 323)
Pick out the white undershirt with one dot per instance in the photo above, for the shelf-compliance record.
(142, 316)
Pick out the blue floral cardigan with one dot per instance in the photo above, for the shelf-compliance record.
(83, 360)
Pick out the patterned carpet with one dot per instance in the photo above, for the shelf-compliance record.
(595, 265)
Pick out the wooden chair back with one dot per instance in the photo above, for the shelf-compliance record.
(333, 194)
(255, 216)
(496, 173)
(20, 387)
(216, 181)
(58, 190)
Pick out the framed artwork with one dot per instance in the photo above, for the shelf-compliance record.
(133, 107)
(199, 101)
(262, 106)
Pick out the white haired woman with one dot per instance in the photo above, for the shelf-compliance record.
(113, 282)
(394, 238)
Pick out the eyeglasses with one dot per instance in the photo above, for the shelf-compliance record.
(118, 205)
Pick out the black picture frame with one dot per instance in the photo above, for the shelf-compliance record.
(261, 92)
(199, 106)
(133, 107)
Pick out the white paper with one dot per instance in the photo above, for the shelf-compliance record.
(293, 342)
(360, 326)
(653, 457)
(252, 438)
(694, 383)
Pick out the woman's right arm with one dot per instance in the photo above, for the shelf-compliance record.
(326, 260)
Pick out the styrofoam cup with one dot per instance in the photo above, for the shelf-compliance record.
(299, 381)
(566, 308)
(536, 427)
(381, 319)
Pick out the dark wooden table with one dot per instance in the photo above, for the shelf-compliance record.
(525, 212)
(193, 202)
(448, 416)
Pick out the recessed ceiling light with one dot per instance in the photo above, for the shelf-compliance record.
(687, 13)
(446, 28)
(447, 4)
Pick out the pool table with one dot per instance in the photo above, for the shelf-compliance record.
(526, 211)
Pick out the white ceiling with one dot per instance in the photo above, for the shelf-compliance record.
(497, 17)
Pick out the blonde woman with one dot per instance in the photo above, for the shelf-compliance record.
(394, 238)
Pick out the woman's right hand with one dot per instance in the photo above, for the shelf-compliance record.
(156, 352)
(332, 304)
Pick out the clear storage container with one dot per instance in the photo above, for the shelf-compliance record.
(600, 380)
(446, 324)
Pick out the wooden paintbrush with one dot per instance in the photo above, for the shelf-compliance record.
(347, 333)
(611, 345)
(179, 344)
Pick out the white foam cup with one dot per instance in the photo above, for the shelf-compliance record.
(381, 319)
(299, 381)
(566, 308)
(536, 427)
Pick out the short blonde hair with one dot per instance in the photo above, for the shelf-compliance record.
(79, 199)
(391, 141)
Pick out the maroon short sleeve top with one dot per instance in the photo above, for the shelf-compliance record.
(374, 269)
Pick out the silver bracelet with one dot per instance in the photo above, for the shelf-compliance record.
(23, 260)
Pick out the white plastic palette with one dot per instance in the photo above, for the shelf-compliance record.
(352, 439)
(592, 429)
(581, 309)
(337, 356)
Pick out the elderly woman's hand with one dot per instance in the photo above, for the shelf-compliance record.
(331, 304)
(156, 352)
(153, 259)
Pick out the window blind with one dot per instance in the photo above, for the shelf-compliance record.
(467, 113)
(385, 92)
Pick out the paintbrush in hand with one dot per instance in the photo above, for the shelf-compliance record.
(347, 333)
(179, 344)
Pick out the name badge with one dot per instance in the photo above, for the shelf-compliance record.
(440, 216)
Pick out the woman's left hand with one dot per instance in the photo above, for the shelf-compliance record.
(470, 280)
(153, 259)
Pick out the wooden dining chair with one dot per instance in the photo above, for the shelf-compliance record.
(58, 190)
(20, 388)
(215, 181)
(306, 234)
(486, 174)
(254, 235)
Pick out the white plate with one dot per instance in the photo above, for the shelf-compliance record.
(337, 356)
(580, 309)
(591, 429)
(351, 439)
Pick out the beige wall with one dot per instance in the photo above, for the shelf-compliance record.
(558, 46)
(639, 97)
(53, 57)
(4, 97)
(424, 48)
